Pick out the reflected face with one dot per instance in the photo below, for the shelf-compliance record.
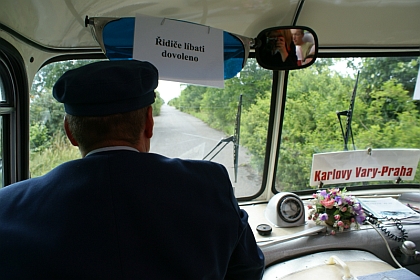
(297, 35)
(276, 37)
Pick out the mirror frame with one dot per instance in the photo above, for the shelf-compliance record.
(273, 64)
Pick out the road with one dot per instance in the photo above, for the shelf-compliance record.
(177, 134)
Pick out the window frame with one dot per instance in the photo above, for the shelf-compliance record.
(14, 112)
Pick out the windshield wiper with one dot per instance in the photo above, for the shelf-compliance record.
(349, 114)
(234, 139)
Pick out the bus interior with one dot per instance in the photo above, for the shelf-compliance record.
(343, 119)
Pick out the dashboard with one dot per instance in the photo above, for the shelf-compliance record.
(295, 246)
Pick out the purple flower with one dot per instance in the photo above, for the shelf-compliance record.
(360, 218)
(323, 193)
(357, 207)
(323, 217)
(338, 200)
(348, 200)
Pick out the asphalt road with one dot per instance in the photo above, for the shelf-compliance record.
(177, 134)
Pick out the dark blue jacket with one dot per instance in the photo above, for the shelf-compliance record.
(127, 215)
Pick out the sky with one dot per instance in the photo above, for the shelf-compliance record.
(168, 90)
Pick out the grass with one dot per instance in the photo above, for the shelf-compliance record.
(59, 152)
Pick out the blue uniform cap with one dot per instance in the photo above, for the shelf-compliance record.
(107, 87)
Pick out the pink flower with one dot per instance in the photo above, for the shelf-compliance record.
(328, 203)
(310, 206)
(333, 232)
(340, 224)
(343, 209)
(337, 217)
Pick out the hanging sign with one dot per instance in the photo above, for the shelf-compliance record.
(181, 51)
(363, 166)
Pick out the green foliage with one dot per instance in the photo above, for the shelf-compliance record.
(45, 112)
(38, 137)
(254, 129)
(190, 99)
(377, 71)
(59, 151)
(174, 102)
(384, 115)
(310, 123)
(392, 117)
(158, 104)
(218, 107)
(49, 74)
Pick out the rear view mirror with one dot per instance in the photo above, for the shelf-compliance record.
(286, 48)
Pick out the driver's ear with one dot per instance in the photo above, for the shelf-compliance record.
(148, 128)
(69, 134)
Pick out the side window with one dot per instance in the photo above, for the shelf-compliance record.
(48, 144)
(6, 109)
(14, 101)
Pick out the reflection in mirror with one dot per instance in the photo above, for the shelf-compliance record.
(286, 48)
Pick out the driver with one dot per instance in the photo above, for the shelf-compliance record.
(120, 212)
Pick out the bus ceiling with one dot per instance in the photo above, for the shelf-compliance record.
(342, 26)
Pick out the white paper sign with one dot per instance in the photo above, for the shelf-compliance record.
(181, 51)
(360, 166)
(388, 207)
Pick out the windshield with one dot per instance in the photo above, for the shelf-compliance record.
(230, 125)
(190, 122)
(327, 100)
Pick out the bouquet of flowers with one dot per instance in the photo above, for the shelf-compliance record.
(336, 208)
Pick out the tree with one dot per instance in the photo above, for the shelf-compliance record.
(376, 71)
(158, 104)
(254, 129)
(310, 122)
(392, 117)
(44, 109)
(190, 99)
